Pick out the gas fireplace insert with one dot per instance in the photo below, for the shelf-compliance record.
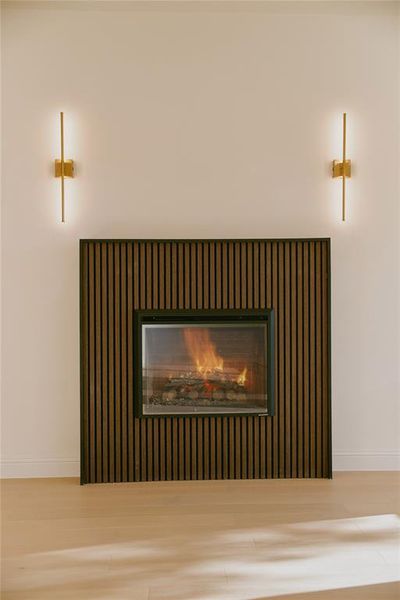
(204, 362)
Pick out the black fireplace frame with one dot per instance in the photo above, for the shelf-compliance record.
(167, 316)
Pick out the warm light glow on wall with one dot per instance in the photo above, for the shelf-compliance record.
(342, 169)
(63, 167)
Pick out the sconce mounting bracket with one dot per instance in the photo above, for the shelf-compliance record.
(68, 168)
(337, 168)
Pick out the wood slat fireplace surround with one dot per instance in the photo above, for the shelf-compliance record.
(290, 276)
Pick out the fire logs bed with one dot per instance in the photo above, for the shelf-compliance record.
(216, 388)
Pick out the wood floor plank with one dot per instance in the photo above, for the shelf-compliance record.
(225, 540)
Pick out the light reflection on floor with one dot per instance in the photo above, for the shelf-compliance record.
(247, 564)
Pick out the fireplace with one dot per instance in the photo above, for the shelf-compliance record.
(224, 290)
(204, 362)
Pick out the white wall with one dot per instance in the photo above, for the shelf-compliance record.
(197, 120)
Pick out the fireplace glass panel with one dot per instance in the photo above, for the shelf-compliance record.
(204, 368)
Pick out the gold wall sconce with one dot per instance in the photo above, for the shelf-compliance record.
(342, 169)
(63, 167)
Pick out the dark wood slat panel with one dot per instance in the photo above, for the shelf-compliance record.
(85, 367)
(263, 284)
(318, 362)
(162, 450)
(326, 450)
(218, 275)
(149, 450)
(225, 447)
(238, 447)
(117, 359)
(156, 449)
(306, 350)
(174, 276)
(143, 448)
(299, 362)
(257, 422)
(291, 276)
(103, 328)
(181, 447)
(92, 368)
(168, 276)
(111, 363)
(161, 276)
(275, 421)
(199, 276)
(188, 449)
(169, 448)
(211, 247)
(256, 274)
(280, 404)
(212, 448)
(129, 357)
(136, 302)
(287, 362)
(225, 276)
(155, 286)
(206, 448)
(267, 423)
(206, 276)
(98, 394)
(232, 470)
(312, 347)
(175, 449)
(181, 277)
(243, 275)
(249, 279)
(231, 275)
(250, 447)
(124, 365)
(243, 445)
(193, 276)
(193, 449)
(200, 454)
(293, 359)
(218, 449)
(238, 278)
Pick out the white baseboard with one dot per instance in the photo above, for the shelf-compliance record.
(41, 467)
(366, 460)
(343, 460)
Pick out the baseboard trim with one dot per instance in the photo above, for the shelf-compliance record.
(41, 467)
(366, 460)
(343, 460)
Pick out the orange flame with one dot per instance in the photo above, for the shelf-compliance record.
(202, 350)
(241, 380)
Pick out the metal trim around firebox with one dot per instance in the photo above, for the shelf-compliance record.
(219, 315)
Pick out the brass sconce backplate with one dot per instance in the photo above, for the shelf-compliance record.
(337, 168)
(68, 168)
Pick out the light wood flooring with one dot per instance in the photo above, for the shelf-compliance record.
(205, 540)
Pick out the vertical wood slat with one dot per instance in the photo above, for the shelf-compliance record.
(306, 354)
(136, 304)
(111, 364)
(299, 362)
(104, 361)
(124, 365)
(291, 276)
(129, 359)
(275, 421)
(92, 369)
(267, 423)
(85, 369)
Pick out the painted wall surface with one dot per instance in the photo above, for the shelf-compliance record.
(197, 120)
